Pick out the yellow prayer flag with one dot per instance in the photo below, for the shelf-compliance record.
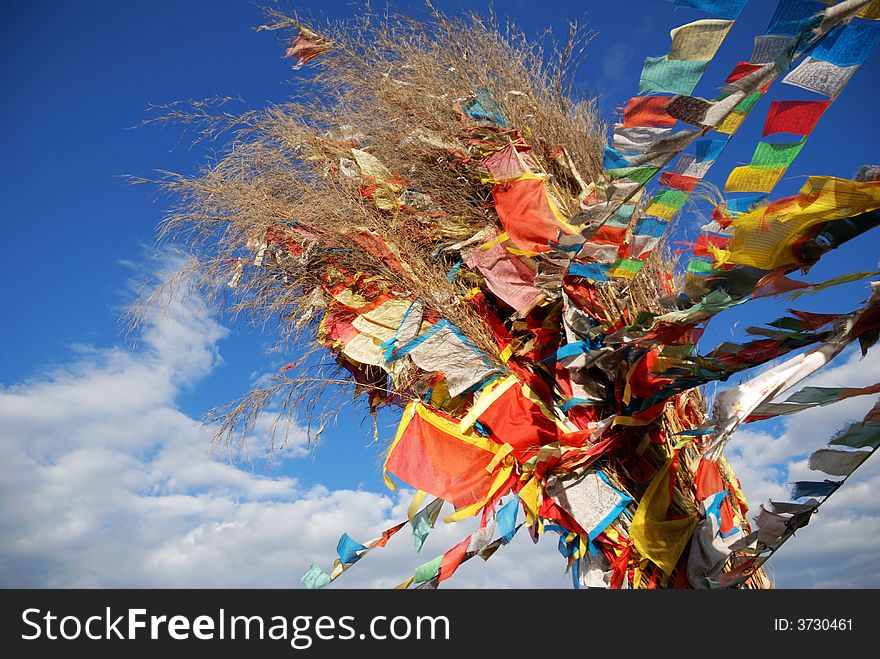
(764, 237)
(660, 540)
(730, 123)
(698, 41)
(753, 179)
(660, 210)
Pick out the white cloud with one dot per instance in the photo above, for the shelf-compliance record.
(106, 483)
(840, 546)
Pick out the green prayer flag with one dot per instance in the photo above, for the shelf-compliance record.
(622, 216)
(748, 102)
(660, 74)
(428, 571)
(858, 435)
(818, 395)
(670, 198)
(630, 265)
(699, 267)
(775, 156)
(423, 522)
(315, 578)
(638, 174)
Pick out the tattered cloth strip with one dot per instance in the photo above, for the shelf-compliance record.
(810, 397)
(803, 489)
(834, 281)
(771, 526)
(789, 508)
(858, 435)
(837, 463)
(307, 46)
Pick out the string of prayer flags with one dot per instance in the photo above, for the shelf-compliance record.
(588, 349)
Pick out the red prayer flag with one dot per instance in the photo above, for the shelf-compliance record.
(678, 181)
(439, 463)
(702, 245)
(526, 214)
(386, 535)
(743, 69)
(727, 518)
(776, 283)
(708, 479)
(798, 117)
(647, 111)
(452, 559)
(517, 420)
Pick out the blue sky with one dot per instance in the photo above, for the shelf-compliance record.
(77, 77)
